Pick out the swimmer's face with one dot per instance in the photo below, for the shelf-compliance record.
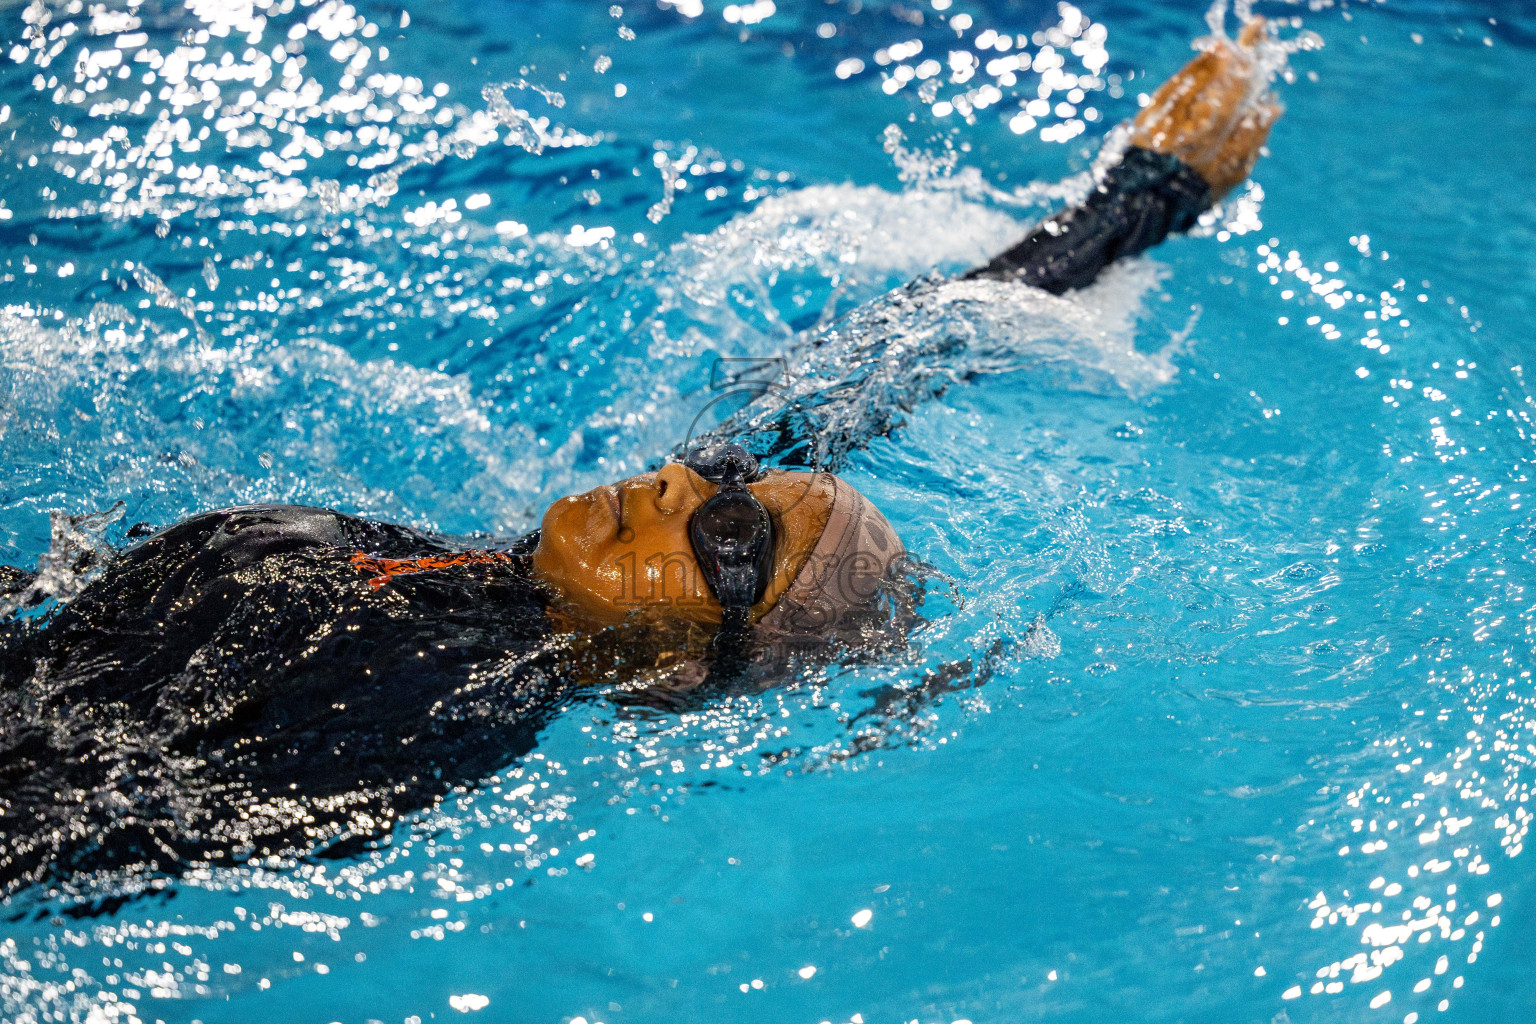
(624, 548)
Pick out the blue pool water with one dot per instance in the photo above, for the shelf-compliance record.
(1253, 513)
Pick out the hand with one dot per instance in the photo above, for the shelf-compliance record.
(1215, 113)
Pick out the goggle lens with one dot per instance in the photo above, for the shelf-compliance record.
(732, 533)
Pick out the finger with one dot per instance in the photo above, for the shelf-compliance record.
(1178, 106)
(1241, 150)
(1250, 34)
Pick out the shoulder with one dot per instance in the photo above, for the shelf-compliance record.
(230, 538)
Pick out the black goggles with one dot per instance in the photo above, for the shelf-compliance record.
(732, 533)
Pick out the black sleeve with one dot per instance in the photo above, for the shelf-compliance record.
(1140, 202)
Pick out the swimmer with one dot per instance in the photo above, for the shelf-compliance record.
(272, 680)
(1196, 140)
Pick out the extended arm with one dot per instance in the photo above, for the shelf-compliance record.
(1198, 137)
(855, 380)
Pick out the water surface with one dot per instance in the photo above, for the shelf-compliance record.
(1248, 518)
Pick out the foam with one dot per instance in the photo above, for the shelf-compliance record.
(172, 424)
(748, 288)
(856, 380)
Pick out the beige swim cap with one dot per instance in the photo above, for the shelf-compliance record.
(858, 551)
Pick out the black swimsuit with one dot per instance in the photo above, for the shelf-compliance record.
(277, 678)
(239, 673)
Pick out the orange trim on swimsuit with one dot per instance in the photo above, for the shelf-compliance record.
(386, 569)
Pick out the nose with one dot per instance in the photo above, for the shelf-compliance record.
(679, 489)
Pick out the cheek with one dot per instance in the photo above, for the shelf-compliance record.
(651, 566)
(657, 566)
(656, 542)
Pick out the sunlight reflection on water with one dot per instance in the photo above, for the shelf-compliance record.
(427, 267)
